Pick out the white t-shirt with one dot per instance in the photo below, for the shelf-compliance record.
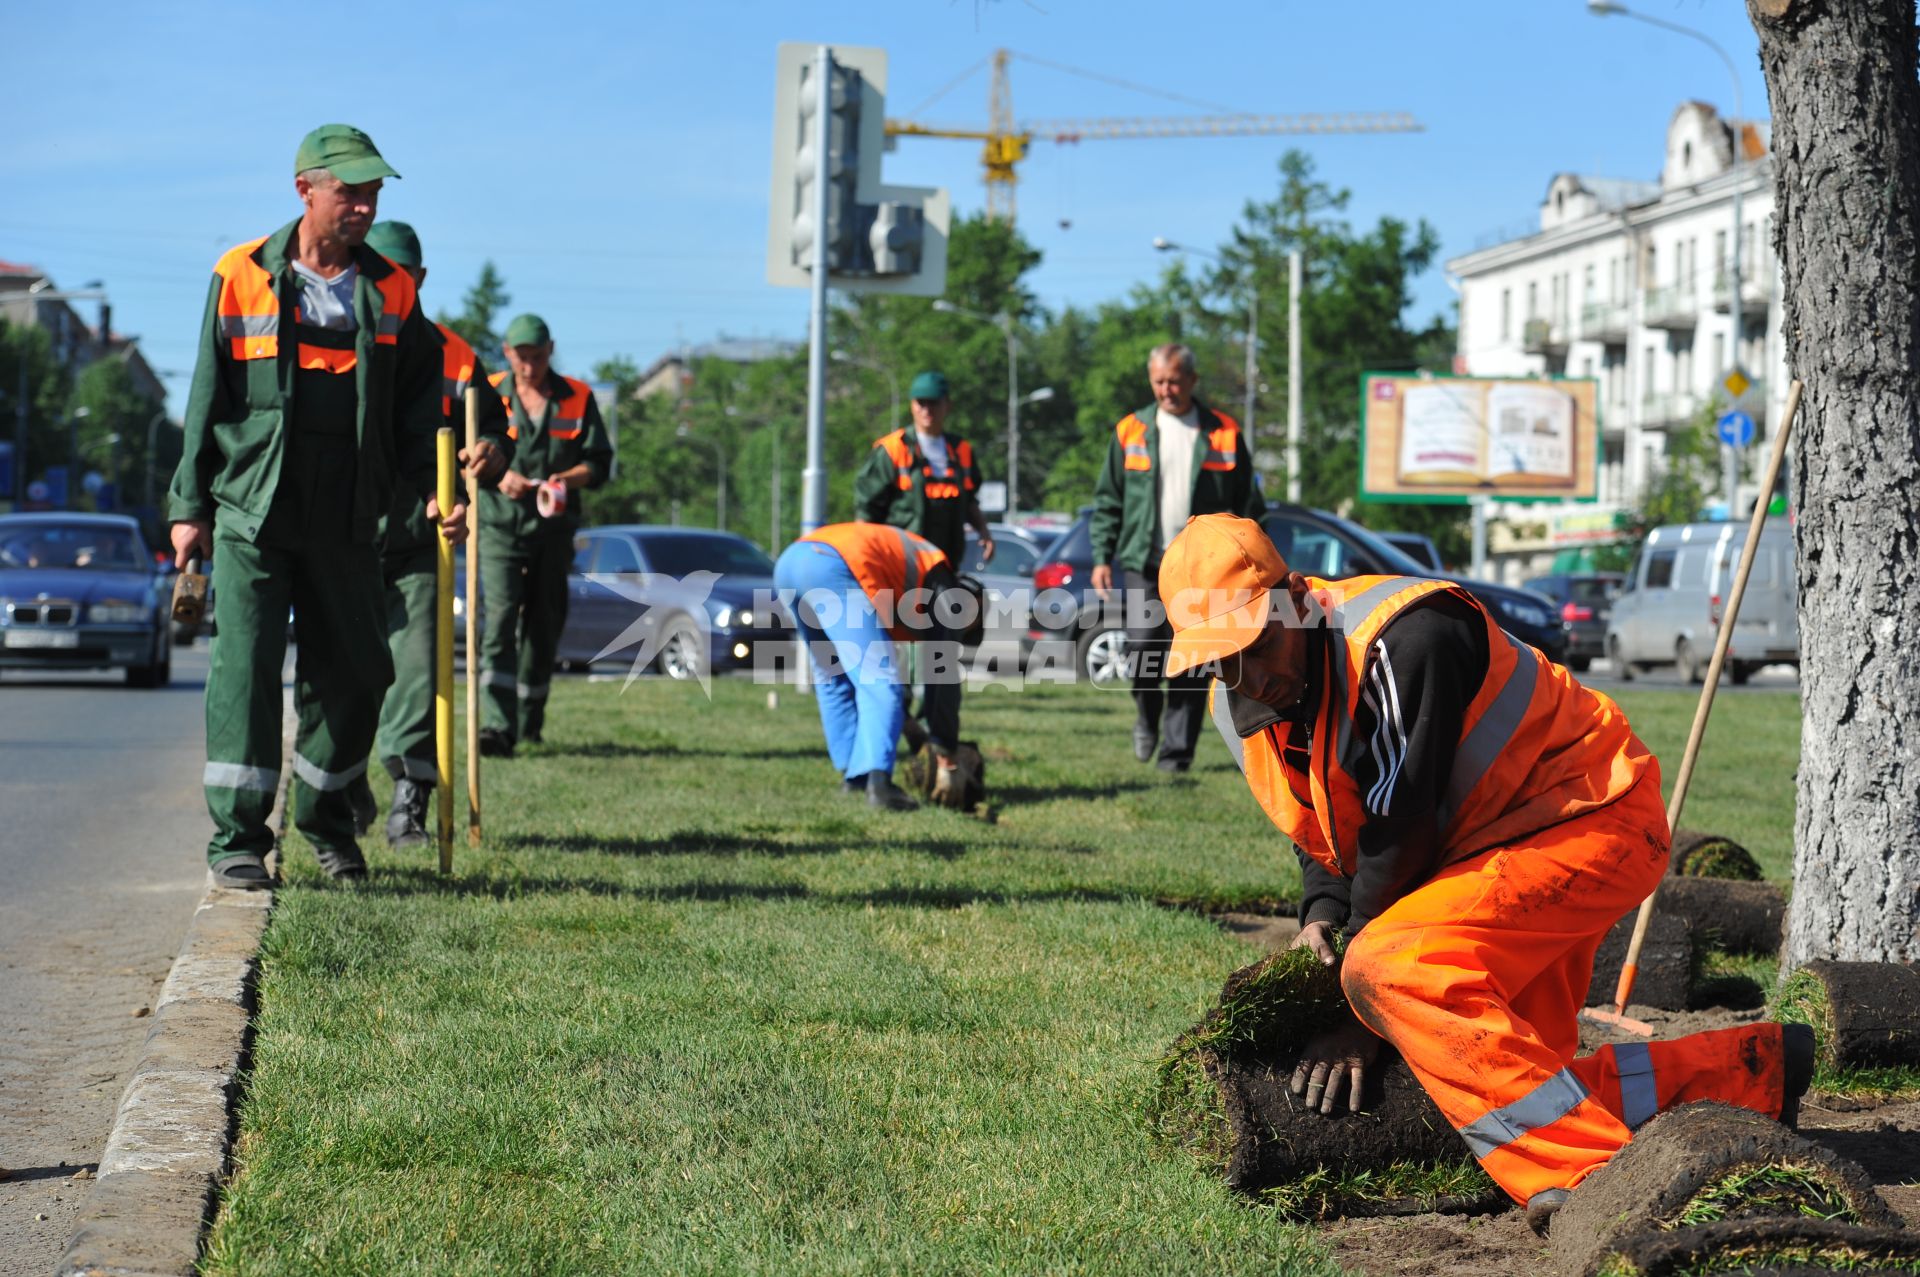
(1177, 436)
(327, 303)
(934, 449)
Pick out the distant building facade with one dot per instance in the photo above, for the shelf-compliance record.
(75, 344)
(672, 373)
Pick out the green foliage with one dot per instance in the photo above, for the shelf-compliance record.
(112, 436)
(27, 350)
(1677, 492)
(480, 308)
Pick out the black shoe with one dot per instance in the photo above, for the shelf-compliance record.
(884, 794)
(1174, 766)
(342, 864)
(533, 737)
(1541, 1207)
(248, 873)
(1796, 1048)
(407, 822)
(495, 743)
(1144, 739)
(360, 798)
(855, 785)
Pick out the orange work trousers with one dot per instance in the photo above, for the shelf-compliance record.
(1477, 978)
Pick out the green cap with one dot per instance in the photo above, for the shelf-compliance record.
(397, 242)
(344, 151)
(528, 330)
(928, 385)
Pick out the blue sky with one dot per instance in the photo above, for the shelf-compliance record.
(613, 158)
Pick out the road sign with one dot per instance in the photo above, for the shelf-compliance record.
(993, 497)
(1735, 429)
(1737, 382)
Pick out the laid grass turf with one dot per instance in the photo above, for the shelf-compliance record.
(693, 1010)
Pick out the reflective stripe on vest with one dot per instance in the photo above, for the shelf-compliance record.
(1546, 1104)
(1495, 730)
(1223, 445)
(249, 312)
(1132, 434)
(456, 369)
(569, 415)
(910, 575)
(1639, 1090)
(937, 489)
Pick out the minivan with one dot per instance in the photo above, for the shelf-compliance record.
(1668, 611)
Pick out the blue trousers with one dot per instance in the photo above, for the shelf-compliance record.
(862, 706)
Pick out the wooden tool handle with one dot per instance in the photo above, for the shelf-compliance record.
(473, 626)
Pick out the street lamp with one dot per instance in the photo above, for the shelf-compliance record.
(1730, 457)
(720, 488)
(893, 382)
(1005, 321)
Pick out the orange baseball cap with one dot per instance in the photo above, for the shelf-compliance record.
(1216, 577)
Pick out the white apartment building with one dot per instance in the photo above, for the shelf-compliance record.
(1627, 282)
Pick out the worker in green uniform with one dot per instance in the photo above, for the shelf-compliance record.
(560, 444)
(405, 745)
(925, 479)
(316, 392)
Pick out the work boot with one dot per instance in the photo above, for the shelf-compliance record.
(495, 743)
(407, 822)
(887, 796)
(1144, 739)
(855, 785)
(1175, 766)
(1796, 1049)
(360, 798)
(248, 873)
(1541, 1207)
(343, 864)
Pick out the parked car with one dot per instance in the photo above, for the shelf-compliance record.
(627, 590)
(1417, 546)
(1668, 611)
(82, 591)
(1585, 600)
(1312, 541)
(1009, 584)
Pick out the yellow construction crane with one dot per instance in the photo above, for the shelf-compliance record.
(1006, 143)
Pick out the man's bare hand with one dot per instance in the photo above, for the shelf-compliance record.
(986, 548)
(1337, 1058)
(1317, 936)
(1101, 579)
(192, 538)
(454, 526)
(483, 461)
(514, 485)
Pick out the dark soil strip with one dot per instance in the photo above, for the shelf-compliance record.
(1741, 917)
(1693, 1157)
(1666, 963)
(1776, 1246)
(1701, 855)
(1875, 1013)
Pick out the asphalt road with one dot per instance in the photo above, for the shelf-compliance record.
(1771, 678)
(103, 833)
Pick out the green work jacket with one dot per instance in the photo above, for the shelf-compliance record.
(1126, 501)
(942, 516)
(239, 411)
(545, 447)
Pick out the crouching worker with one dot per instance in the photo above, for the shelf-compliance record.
(1471, 821)
(854, 589)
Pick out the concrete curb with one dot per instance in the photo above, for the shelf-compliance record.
(167, 1153)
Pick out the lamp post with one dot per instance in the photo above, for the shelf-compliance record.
(146, 493)
(1729, 456)
(39, 291)
(720, 488)
(1005, 320)
(893, 382)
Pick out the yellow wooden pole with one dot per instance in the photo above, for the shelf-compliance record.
(473, 626)
(443, 655)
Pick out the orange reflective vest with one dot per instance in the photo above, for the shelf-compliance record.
(888, 562)
(1535, 748)
(456, 371)
(937, 489)
(569, 417)
(1223, 443)
(250, 313)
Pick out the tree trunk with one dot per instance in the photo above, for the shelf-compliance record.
(1846, 146)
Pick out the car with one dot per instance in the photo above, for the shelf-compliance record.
(1585, 600)
(82, 591)
(1417, 546)
(1008, 581)
(1066, 621)
(629, 594)
(1668, 610)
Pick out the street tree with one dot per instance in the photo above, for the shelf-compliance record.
(1841, 78)
(479, 309)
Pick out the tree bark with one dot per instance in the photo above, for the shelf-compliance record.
(1846, 147)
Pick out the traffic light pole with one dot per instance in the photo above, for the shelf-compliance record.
(813, 501)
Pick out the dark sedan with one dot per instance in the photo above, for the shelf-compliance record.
(82, 591)
(1585, 601)
(683, 601)
(1066, 630)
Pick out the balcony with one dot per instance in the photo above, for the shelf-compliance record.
(1544, 337)
(1756, 292)
(1605, 322)
(1674, 307)
(1668, 411)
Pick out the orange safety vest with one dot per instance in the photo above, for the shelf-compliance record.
(569, 414)
(888, 562)
(901, 454)
(1535, 749)
(1223, 443)
(456, 370)
(250, 312)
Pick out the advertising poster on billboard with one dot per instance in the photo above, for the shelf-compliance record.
(1447, 439)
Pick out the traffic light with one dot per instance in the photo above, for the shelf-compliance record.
(877, 238)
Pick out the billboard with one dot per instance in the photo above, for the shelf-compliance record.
(1447, 439)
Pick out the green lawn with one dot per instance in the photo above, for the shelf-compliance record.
(693, 1010)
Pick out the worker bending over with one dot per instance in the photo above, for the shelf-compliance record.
(1472, 821)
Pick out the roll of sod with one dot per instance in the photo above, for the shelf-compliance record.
(1773, 1246)
(1666, 963)
(1703, 855)
(1742, 917)
(1706, 1164)
(1865, 1015)
(1224, 1095)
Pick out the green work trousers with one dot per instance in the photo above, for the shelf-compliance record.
(406, 717)
(524, 580)
(341, 669)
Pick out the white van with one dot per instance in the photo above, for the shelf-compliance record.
(1668, 611)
